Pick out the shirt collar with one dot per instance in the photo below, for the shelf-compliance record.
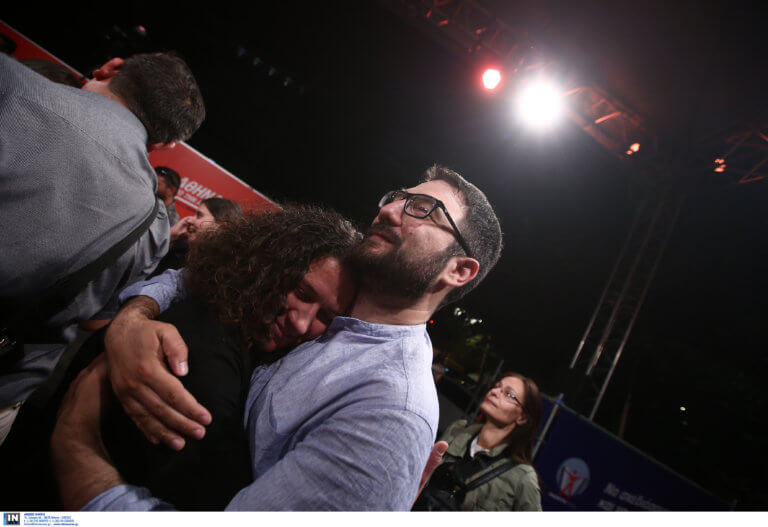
(355, 325)
(474, 448)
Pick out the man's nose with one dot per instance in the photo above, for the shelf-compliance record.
(301, 320)
(392, 213)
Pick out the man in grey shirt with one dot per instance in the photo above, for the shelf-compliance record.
(343, 422)
(75, 180)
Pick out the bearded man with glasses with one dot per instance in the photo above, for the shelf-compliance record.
(342, 422)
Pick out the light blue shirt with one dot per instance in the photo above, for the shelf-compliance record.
(163, 288)
(343, 422)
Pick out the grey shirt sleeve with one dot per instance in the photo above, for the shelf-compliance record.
(94, 301)
(143, 257)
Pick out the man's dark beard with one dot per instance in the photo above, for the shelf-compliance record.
(391, 272)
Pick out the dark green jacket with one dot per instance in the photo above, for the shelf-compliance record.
(517, 489)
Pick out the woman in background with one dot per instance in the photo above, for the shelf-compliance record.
(488, 465)
(212, 213)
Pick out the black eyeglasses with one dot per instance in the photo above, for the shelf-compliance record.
(420, 206)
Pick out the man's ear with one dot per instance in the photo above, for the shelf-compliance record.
(109, 69)
(151, 147)
(460, 271)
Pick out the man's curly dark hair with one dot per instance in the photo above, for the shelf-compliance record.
(244, 269)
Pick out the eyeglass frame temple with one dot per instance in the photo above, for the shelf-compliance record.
(459, 237)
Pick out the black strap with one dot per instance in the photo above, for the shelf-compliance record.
(490, 475)
(447, 490)
(68, 287)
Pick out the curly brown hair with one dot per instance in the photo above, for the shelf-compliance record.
(244, 269)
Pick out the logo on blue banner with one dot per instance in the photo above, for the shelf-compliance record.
(572, 477)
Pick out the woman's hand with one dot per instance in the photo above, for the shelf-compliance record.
(434, 460)
(180, 230)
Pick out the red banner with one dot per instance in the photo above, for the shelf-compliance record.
(201, 178)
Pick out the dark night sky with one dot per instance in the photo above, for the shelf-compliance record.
(376, 101)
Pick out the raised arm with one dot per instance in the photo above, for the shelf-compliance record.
(80, 460)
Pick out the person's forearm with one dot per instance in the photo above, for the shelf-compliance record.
(136, 310)
(139, 306)
(80, 460)
(83, 472)
(94, 324)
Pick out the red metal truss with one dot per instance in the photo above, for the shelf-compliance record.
(744, 155)
(475, 32)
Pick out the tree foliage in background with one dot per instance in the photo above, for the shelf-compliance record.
(463, 342)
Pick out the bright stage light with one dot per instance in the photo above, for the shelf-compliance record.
(540, 104)
(491, 78)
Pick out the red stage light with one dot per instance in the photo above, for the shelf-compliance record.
(720, 164)
(491, 78)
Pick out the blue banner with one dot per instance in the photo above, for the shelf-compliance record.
(583, 467)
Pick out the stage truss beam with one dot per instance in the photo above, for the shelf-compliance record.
(476, 33)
